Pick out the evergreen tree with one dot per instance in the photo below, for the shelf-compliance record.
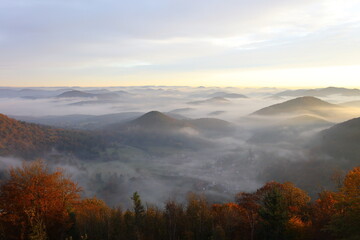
(275, 216)
(139, 214)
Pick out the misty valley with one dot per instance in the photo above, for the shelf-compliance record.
(179, 120)
(165, 142)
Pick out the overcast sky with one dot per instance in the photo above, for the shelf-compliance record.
(269, 43)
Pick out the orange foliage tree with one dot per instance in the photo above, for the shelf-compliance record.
(36, 202)
(92, 217)
(345, 223)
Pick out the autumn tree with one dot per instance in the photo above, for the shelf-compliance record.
(228, 220)
(92, 218)
(34, 200)
(346, 221)
(249, 202)
(116, 224)
(321, 212)
(174, 216)
(198, 218)
(154, 224)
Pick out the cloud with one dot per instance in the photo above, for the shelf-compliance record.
(67, 41)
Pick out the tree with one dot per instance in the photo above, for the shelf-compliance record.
(250, 205)
(174, 220)
(275, 215)
(321, 213)
(346, 221)
(229, 221)
(139, 214)
(34, 200)
(92, 216)
(198, 218)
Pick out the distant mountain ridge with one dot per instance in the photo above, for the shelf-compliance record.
(213, 100)
(76, 94)
(105, 95)
(320, 92)
(227, 95)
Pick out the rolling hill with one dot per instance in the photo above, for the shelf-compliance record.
(300, 106)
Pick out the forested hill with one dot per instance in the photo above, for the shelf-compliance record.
(342, 140)
(31, 140)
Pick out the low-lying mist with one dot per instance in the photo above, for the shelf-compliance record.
(259, 148)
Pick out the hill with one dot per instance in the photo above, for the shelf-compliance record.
(81, 121)
(342, 141)
(76, 94)
(301, 105)
(227, 95)
(306, 120)
(331, 151)
(104, 96)
(161, 122)
(214, 100)
(155, 120)
(320, 92)
(31, 140)
(156, 130)
(289, 130)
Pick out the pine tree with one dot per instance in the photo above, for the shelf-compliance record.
(274, 214)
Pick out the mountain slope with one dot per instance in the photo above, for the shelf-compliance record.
(306, 120)
(31, 140)
(301, 105)
(342, 140)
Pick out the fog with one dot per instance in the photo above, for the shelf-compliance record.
(256, 150)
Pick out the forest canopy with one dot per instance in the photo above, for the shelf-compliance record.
(37, 203)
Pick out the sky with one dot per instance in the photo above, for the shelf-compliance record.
(244, 43)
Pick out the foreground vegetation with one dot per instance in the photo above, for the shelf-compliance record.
(38, 204)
